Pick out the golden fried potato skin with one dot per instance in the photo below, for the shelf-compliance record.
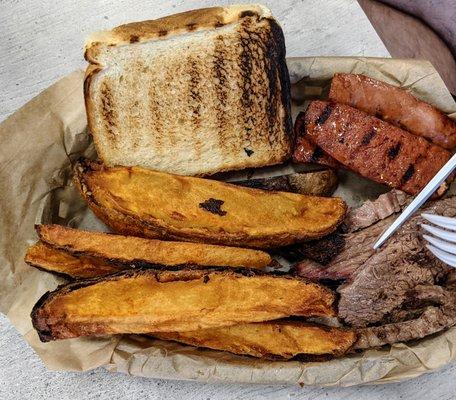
(271, 340)
(59, 262)
(136, 201)
(130, 250)
(144, 301)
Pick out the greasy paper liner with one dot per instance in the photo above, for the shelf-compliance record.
(37, 146)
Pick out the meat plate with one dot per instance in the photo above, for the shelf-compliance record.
(53, 199)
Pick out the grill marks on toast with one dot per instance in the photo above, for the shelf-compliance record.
(155, 120)
(195, 100)
(271, 67)
(206, 101)
(259, 80)
(107, 111)
(221, 81)
(246, 61)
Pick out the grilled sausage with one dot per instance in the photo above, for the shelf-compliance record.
(373, 148)
(306, 151)
(394, 105)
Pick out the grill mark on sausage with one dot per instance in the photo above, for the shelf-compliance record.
(163, 32)
(408, 174)
(326, 113)
(300, 126)
(394, 151)
(134, 38)
(107, 107)
(367, 138)
(317, 154)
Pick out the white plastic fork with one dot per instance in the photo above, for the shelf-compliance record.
(442, 243)
(419, 200)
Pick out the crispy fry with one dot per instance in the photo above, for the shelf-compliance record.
(59, 262)
(147, 203)
(144, 301)
(127, 251)
(271, 340)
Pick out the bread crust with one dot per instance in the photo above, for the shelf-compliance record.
(171, 25)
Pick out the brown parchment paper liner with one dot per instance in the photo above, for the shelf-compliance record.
(38, 144)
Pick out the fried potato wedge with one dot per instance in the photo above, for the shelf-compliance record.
(59, 262)
(136, 201)
(130, 250)
(271, 340)
(144, 301)
(315, 183)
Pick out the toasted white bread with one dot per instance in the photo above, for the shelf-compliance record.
(194, 93)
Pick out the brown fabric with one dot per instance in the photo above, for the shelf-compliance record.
(440, 15)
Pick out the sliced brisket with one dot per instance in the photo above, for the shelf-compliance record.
(399, 293)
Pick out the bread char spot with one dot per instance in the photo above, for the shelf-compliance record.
(246, 69)
(271, 62)
(107, 107)
(191, 26)
(248, 13)
(220, 74)
(134, 38)
(249, 152)
(156, 119)
(195, 102)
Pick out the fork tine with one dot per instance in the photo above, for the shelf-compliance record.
(441, 244)
(439, 220)
(442, 255)
(441, 233)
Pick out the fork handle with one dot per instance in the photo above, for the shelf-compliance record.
(419, 200)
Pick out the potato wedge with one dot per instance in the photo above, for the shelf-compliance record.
(271, 340)
(147, 203)
(135, 251)
(144, 301)
(59, 262)
(315, 183)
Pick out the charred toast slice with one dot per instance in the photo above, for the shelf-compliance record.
(193, 93)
